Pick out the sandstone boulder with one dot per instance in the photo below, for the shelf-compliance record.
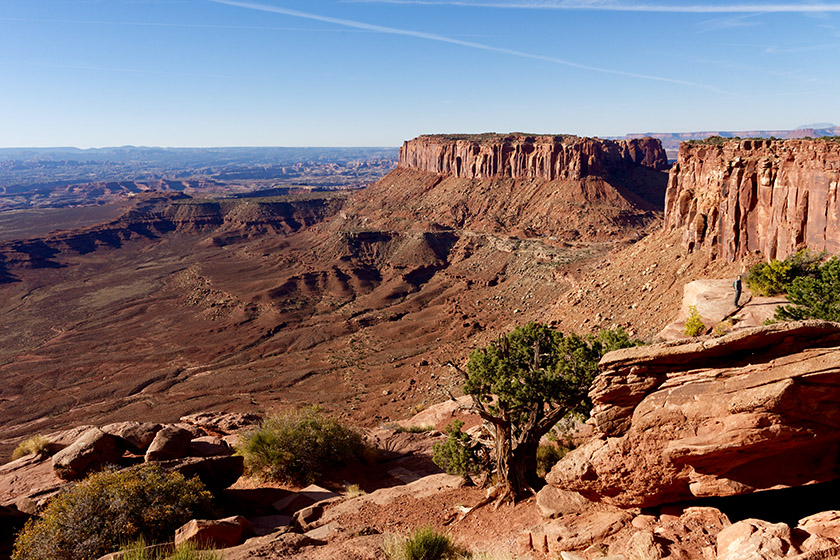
(312, 494)
(753, 410)
(67, 437)
(575, 532)
(27, 483)
(219, 533)
(92, 451)
(821, 532)
(643, 545)
(553, 502)
(136, 436)
(170, 442)
(305, 519)
(280, 544)
(217, 473)
(754, 539)
(208, 446)
(439, 415)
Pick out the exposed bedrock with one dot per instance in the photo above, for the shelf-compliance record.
(756, 195)
(552, 158)
(753, 410)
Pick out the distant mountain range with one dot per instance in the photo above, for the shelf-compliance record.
(671, 140)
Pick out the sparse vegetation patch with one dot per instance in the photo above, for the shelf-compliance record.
(776, 277)
(459, 453)
(187, 551)
(424, 544)
(299, 447)
(109, 508)
(694, 323)
(815, 296)
(35, 444)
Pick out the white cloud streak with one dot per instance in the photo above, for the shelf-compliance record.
(452, 41)
(612, 6)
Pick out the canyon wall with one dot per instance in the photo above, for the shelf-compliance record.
(742, 196)
(562, 187)
(519, 156)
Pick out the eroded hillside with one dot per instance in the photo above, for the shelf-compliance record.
(355, 304)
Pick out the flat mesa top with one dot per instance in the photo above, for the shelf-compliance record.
(494, 137)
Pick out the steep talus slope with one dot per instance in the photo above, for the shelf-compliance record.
(251, 305)
(728, 206)
(743, 196)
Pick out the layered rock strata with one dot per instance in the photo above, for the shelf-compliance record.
(743, 196)
(520, 156)
(754, 410)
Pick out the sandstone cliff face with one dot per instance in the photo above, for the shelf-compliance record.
(756, 195)
(529, 157)
(750, 411)
(526, 186)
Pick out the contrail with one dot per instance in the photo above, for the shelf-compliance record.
(450, 40)
(623, 7)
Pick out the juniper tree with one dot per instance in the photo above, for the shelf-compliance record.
(525, 382)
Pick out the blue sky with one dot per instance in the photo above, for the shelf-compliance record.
(374, 73)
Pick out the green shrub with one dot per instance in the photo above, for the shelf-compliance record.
(110, 508)
(423, 544)
(459, 454)
(414, 429)
(547, 457)
(354, 491)
(722, 328)
(776, 277)
(694, 323)
(187, 551)
(815, 296)
(35, 444)
(299, 447)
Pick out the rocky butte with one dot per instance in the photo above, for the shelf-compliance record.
(521, 156)
(527, 186)
(736, 197)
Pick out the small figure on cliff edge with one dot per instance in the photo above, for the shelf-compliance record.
(737, 285)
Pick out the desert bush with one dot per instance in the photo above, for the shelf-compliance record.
(354, 491)
(814, 296)
(776, 277)
(423, 544)
(722, 328)
(299, 447)
(547, 457)
(35, 444)
(414, 429)
(459, 453)
(187, 551)
(693, 323)
(110, 508)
